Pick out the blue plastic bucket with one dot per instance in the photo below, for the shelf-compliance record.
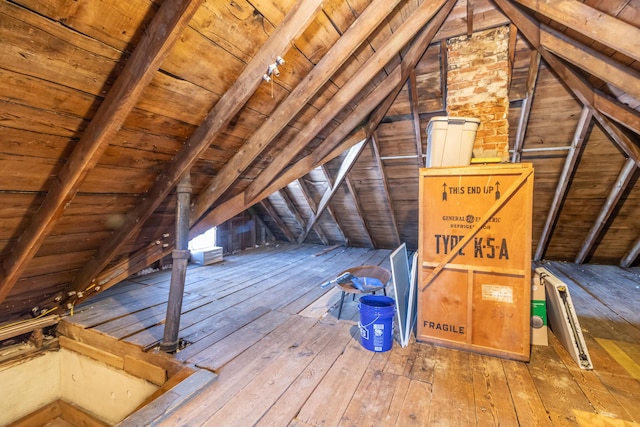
(376, 322)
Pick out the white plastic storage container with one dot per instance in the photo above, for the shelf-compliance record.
(450, 141)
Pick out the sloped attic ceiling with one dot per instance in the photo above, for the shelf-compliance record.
(107, 104)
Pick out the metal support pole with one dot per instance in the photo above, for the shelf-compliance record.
(180, 257)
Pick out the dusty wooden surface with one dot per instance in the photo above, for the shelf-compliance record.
(261, 322)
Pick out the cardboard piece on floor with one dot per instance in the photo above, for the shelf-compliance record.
(539, 333)
(563, 319)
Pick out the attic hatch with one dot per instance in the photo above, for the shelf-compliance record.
(59, 375)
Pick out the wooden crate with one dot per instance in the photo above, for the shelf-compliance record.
(474, 289)
(207, 256)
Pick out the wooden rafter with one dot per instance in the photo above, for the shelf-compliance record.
(359, 211)
(590, 60)
(600, 103)
(513, 41)
(217, 119)
(257, 217)
(527, 102)
(337, 55)
(570, 165)
(350, 90)
(273, 213)
(345, 167)
(296, 215)
(387, 195)
(163, 31)
(608, 30)
(621, 185)
(337, 141)
(631, 255)
(415, 112)
(313, 206)
(469, 17)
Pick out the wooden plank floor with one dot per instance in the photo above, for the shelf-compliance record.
(262, 323)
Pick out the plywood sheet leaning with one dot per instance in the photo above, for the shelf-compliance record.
(474, 290)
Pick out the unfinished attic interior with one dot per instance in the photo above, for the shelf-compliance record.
(297, 133)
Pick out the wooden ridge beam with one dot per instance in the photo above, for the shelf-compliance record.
(620, 186)
(568, 169)
(351, 89)
(608, 30)
(215, 122)
(331, 62)
(164, 29)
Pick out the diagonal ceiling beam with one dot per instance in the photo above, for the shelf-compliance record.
(335, 144)
(592, 61)
(291, 206)
(313, 206)
(345, 167)
(621, 185)
(415, 113)
(266, 204)
(360, 213)
(150, 53)
(527, 102)
(608, 30)
(570, 165)
(385, 185)
(356, 83)
(598, 103)
(331, 62)
(631, 256)
(215, 122)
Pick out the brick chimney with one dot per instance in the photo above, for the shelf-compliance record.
(477, 86)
